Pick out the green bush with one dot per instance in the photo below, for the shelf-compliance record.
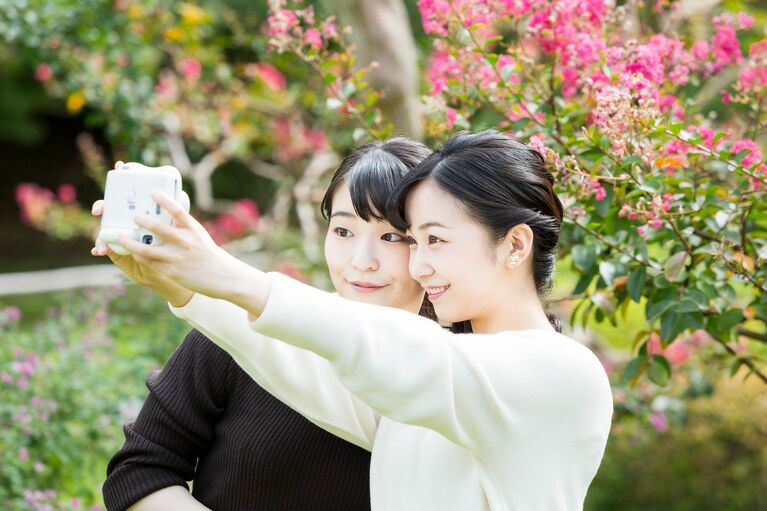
(68, 383)
(716, 460)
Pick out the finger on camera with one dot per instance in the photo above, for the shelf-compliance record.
(165, 231)
(177, 213)
(98, 207)
(136, 248)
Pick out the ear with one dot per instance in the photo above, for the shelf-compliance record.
(519, 239)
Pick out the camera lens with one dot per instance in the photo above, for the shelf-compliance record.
(146, 239)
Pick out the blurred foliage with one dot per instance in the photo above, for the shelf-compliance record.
(70, 379)
(714, 459)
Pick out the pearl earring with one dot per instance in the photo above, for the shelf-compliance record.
(514, 258)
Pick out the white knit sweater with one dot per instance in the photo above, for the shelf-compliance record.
(511, 421)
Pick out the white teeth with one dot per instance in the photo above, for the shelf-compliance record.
(436, 290)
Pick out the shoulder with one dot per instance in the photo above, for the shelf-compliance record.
(545, 366)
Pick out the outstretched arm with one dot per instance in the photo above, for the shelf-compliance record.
(472, 389)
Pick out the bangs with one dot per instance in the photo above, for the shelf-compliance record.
(371, 182)
(395, 203)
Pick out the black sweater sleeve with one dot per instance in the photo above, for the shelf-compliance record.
(175, 425)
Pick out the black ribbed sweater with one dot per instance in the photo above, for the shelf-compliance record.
(206, 420)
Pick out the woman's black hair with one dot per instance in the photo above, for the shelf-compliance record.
(502, 183)
(372, 171)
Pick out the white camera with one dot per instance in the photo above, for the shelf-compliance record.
(127, 193)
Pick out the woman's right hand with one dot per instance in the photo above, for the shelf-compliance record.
(142, 274)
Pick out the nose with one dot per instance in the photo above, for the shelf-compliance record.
(419, 265)
(365, 257)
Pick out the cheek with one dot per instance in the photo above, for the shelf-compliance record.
(336, 256)
(396, 258)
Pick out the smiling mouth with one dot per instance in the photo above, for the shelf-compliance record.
(436, 292)
(366, 287)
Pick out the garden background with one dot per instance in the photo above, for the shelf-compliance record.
(651, 114)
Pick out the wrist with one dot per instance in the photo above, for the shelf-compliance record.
(246, 287)
(175, 294)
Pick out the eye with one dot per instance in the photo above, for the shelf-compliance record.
(411, 241)
(393, 237)
(343, 233)
(434, 239)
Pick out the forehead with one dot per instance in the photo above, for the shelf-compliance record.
(342, 198)
(427, 202)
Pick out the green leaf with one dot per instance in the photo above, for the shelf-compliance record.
(636, 283)
(634, 368)
(583, 283)
(584, 257)
(659, 370)
(741, 154)
(520, 123)
(722, 324)
(674, 268)
(655, 309)
(686, 305)
(631, 160)
(671, 325)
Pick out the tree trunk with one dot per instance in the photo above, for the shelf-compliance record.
(382, 34)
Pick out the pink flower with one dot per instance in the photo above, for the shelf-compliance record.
(754, 155)
(433, 14)
(43, 72)
(230, 224)
(708, 137)
(725, 46)
(744, 20)
(699, 50)
(191, 68)
(313, 38)
(536, 142)
(450, 118)
(599, 191)
(39, 467)
(6, 378)
(12, 313)
(268, 74)
(659, 422)
(23, 454)
(67, 193)
(329, 29)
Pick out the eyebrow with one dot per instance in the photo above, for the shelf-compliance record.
(431, 224)
(344, 214)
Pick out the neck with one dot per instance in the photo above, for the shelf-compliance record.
(523, 312)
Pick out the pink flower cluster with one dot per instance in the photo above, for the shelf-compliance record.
(650, 213)
(240, 219)
(295, 139)
(268, 74)
(286, 27)
(754, 154)
(35, 201)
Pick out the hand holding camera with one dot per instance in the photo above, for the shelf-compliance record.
(117, 219)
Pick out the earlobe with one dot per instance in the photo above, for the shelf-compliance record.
(519, 238)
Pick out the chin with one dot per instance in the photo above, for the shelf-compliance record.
(449, 314)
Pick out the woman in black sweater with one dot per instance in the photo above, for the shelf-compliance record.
(206, 421)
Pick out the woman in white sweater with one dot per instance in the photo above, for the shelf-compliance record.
(512, 416)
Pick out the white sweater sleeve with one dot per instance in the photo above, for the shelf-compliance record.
(295, 376)
(473, 389)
